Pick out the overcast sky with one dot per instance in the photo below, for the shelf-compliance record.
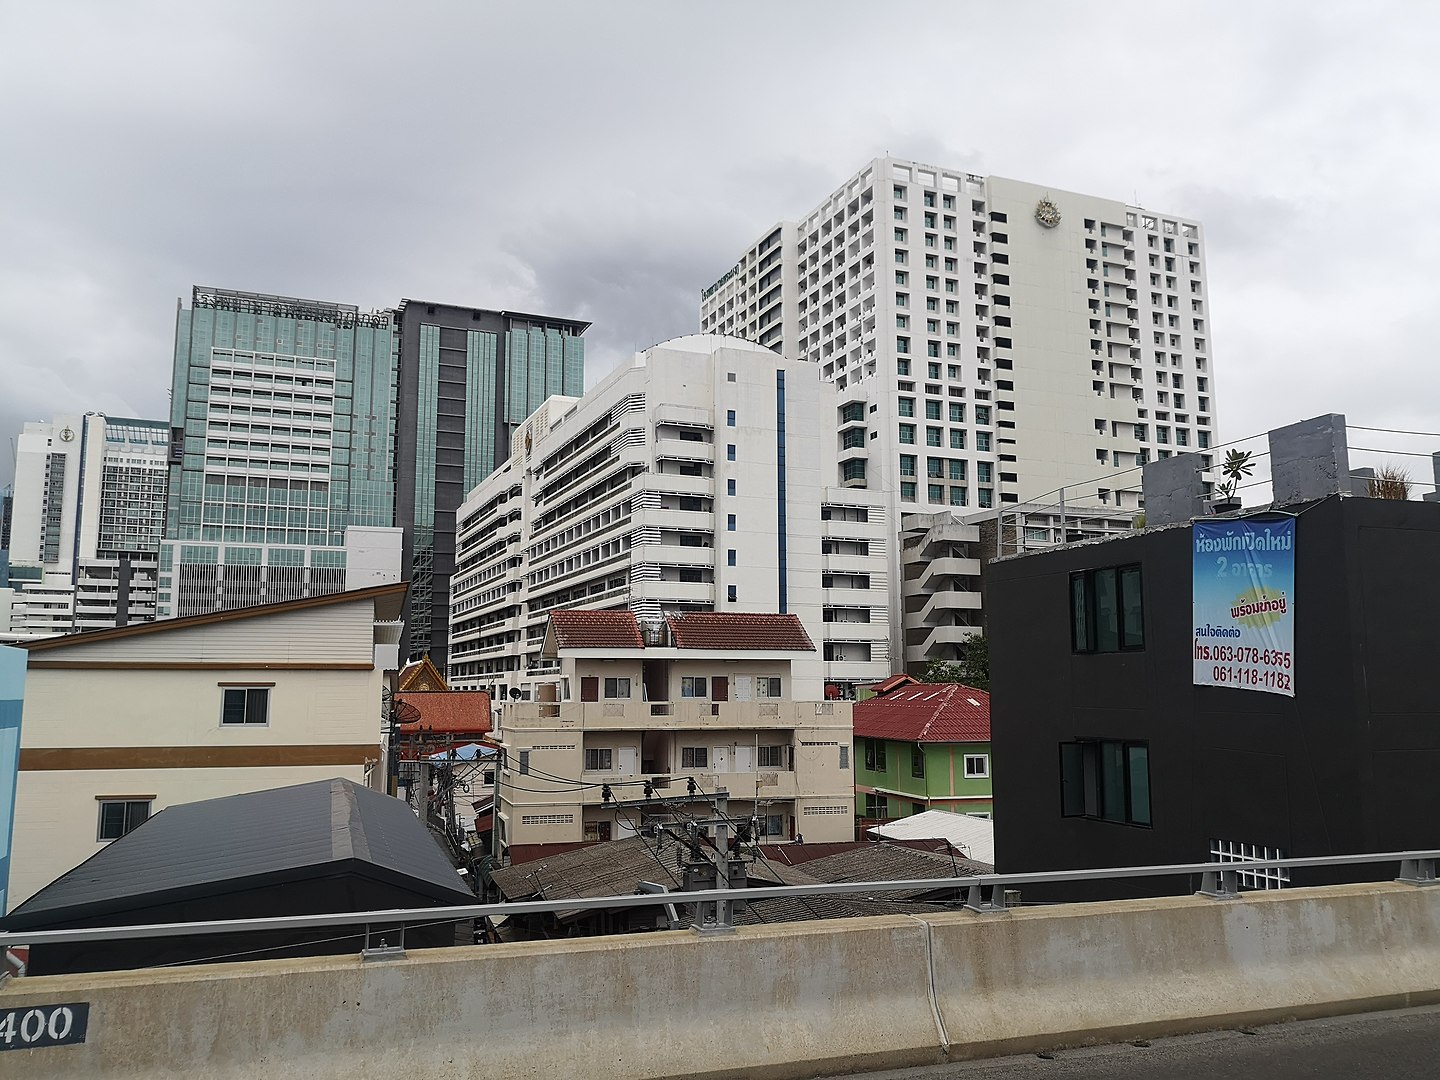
(607, 160)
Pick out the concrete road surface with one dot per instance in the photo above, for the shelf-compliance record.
(1400, 1045)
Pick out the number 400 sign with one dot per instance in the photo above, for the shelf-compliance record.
(43, 1025)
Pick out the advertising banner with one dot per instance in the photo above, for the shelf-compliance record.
(1243, 600)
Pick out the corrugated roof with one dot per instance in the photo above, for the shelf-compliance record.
(973, 836)
(926, 713)
(894, 682)
(891, 862)
(733, 630)
(240, 842)
(458, 712)
(595, 629)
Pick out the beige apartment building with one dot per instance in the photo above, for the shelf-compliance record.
(639, 709)
(119, 724)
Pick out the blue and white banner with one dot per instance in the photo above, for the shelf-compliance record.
(1243, 600)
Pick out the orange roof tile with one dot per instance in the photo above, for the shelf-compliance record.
(458, 712)
(926, 713)
(733, 630)
(595, 629)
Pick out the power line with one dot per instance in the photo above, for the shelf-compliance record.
(1391, 431)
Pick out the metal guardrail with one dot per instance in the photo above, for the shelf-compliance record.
(1218, 880)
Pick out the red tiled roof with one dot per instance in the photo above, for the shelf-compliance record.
(732, 630)
(457, 712)
(926, 713)
(595, 630)
(894, 682)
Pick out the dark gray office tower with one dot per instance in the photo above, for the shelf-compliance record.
(467, 378)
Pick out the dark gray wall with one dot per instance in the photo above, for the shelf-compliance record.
(1347, 765)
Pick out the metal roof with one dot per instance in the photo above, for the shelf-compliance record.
(972, 835)
(242, 842)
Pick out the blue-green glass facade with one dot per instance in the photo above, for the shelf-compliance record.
(282, 434)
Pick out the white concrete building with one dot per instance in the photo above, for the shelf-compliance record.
(121, 723)
(88, 513)
(702, 475)
(712, 697)
(994, 340)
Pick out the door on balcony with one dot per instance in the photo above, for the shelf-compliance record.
(589, 688)
(744, 759)
(629, 760)
(720, 759)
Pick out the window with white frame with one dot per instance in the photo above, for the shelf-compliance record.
(119, 815)
(598, 759)
(977, 766)
(245, 706)
(1264, 877)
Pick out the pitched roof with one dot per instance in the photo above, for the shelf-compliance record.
(576, 629)
(974, 836)
(892, 862)
(391, 595)
(459, 712)
(926, 713)
(229, 845)
(733, 630)
(894, 682)
(421, 674)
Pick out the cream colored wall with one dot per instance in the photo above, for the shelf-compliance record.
(104, 707)
(57, 817)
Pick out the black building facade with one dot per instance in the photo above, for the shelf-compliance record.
(467, 378)
(1112, 757)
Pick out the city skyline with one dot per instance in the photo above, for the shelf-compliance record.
(633, 201)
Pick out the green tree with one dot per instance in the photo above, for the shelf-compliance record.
(972, 667)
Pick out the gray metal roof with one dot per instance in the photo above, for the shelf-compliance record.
(217, 846)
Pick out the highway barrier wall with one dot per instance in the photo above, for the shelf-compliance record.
(793, 1000)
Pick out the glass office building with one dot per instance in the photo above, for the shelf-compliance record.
(282, 436)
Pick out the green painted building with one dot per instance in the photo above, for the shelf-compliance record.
(923, 746)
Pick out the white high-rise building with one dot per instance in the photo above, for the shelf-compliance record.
(86, 521)
(999, 339)
(699, 476)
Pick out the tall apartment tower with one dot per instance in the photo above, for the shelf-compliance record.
(468, 377)
(87, 514)
(697, 477)
(1003, 339)
(282, 449)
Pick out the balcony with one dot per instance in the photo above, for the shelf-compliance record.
(689, 592)
(684, 450)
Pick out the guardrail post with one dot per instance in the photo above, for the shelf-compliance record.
(1219, 885)
(981, 899)
(1418, 872)
(384, 951)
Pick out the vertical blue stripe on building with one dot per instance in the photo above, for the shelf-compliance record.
(780, 486)
(12, 694)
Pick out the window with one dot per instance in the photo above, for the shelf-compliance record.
(730, 557)
(907, 490)
(731, 593)
(598, 760)
(917, 760)
(932, 409)
(245, 706)
(977, 766)
(875, 805)
(730, 451)
(119, 816)
(907, 406)
(694, 686)
(1106, 780)
(907, 433)
(730, 486)
(729, 522)
(694, 757)
(767, 686)
(772, 757)
(617, 688)
(729, 417)
(875, 755)
(1106, 610)
(933, 436)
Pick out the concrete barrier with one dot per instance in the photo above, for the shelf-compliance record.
(796, 1000)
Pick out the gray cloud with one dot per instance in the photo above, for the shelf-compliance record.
(609, 160)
